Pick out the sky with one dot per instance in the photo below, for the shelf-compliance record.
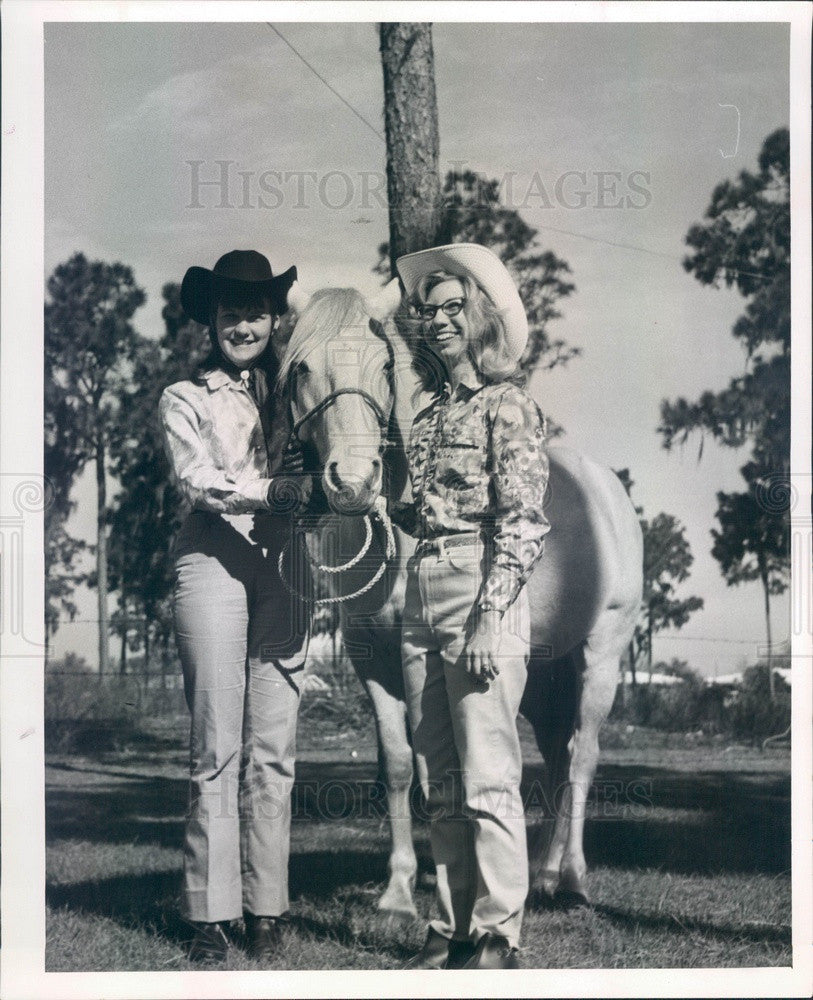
(609, 139)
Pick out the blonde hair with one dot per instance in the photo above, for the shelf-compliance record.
(487, 349)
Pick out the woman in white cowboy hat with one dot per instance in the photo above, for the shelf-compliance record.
(479, 474)
(241, 638)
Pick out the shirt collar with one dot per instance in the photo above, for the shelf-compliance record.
(217, 378)
(466, 388)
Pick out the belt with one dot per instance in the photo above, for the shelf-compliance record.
(439, 545)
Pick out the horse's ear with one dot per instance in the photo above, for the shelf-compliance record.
(386, 302)
(298, 298)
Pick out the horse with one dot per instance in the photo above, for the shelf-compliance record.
(354, 387)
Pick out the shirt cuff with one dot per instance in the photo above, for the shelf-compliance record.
(257, 491)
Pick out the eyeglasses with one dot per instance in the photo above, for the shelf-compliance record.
(451, 307)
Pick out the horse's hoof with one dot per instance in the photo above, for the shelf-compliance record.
(392, 919)
(543, 889)
(539, 898)
(395, 907)
(569, 899)
(570, 892)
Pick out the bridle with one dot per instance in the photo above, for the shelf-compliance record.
(380, 511)
(330, 399)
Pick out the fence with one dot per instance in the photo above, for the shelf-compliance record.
(86, 711)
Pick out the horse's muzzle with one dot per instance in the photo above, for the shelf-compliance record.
(351, 495)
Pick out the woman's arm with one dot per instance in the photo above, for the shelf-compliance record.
(519, 478)
(200, 481)
(404, 514)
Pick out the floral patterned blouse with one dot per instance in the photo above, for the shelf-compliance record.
(477, 462)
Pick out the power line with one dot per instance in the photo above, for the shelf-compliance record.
(646, 250)
(611, 243)
(331, 88)
(701, 638)
(554, 229)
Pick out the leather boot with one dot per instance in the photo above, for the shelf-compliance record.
(493, 952)
(433, 955)
(209, 943)
(459, 953)
(439, 952)
(264, 937)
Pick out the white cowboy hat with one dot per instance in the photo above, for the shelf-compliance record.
(487, 270)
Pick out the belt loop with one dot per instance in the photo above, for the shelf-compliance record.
(441, 547)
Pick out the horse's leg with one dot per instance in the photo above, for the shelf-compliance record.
(380, 673)
(395, 755)
(549, 703)
(573, 698)
(599, 683)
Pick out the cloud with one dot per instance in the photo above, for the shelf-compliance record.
(265, 95)
(215, 101)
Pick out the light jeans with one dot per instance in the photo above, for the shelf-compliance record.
(467, 746)
(242, 641)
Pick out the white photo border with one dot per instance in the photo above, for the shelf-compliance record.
(21, 680)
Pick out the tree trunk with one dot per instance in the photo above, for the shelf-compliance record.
(411, 121)
(633, 678)
(123, 662)
(164, 658)
(624, 687)
(766, 592)
(101, 557)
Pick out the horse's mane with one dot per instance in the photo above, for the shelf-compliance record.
(327, 315)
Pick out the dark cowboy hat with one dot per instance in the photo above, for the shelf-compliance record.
(239, 269)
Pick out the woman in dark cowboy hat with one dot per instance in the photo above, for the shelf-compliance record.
(241, 637)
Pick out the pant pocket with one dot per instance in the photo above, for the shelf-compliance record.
(451, 592)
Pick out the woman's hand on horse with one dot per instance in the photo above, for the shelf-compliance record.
(478, 654)
(293, 462)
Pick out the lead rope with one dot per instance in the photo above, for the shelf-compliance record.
(381, 513)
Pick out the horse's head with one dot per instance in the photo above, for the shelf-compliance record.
(339, 368)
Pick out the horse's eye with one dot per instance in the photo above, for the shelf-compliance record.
(302, 368)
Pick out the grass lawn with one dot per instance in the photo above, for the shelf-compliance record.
(688, 843)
